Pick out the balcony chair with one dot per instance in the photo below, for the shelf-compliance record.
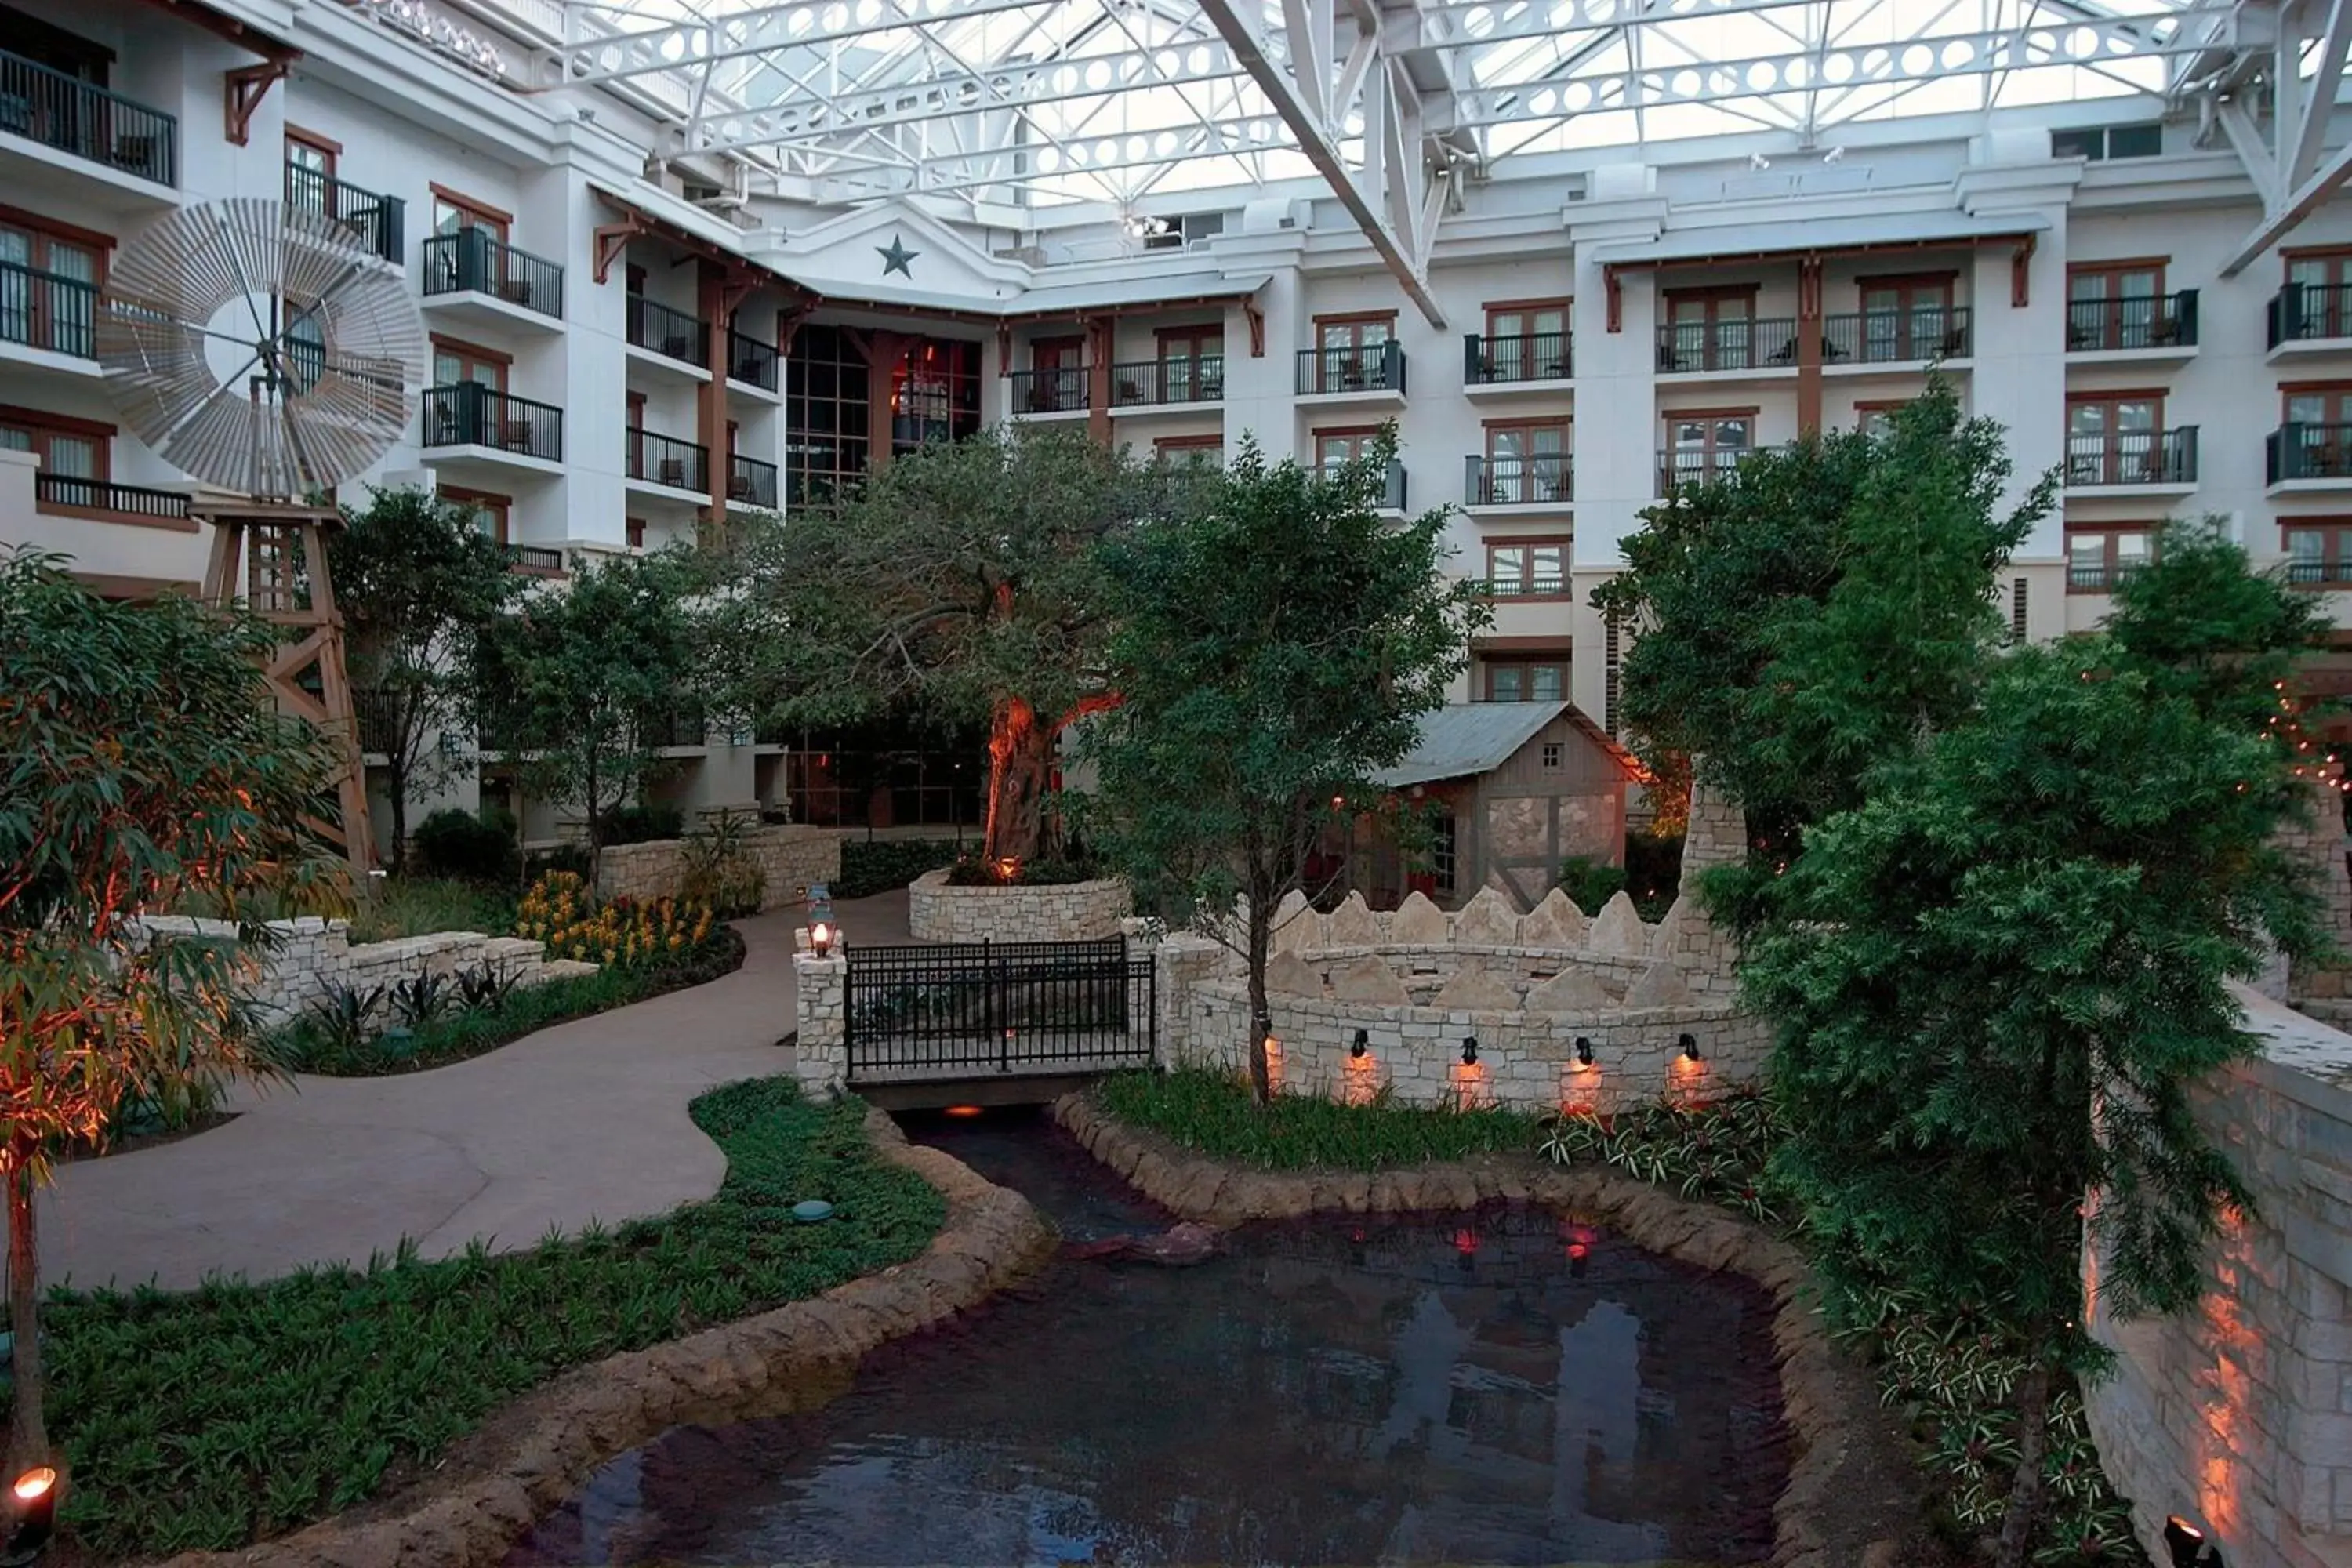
(673, 472)
(515, 290)
(739, 488)
(674, 346)
(15, 113)
(1955, 345)
(1130, 392)
(518, 436)
(2080, 338)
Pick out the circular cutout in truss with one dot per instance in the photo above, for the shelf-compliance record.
(259, 347)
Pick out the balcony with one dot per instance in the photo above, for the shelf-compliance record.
(534, 560)
(1540, 479)
(751, 483)
(668, 338)
(1168, 383)
(750, 362)
(2138, 462)
(1057, 391)
(668, 463)
(66, 114)
(1919, 336)
(1392, 497)
(48, 311)
(2300, 457)
(374, 220)
(2307, 574)
(495, 423)
(1710, 348)
(1359, 372)
(1529, 362)
(471, 275)
(2133, 327)
(1678, 466)
(1524, 588)
(2098, 578)
(2306, 317)
(378, 713)
(63, 495)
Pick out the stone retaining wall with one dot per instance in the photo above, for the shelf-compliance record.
(1829, 1514)
(791, 856)
(312, 956)
(1073, 911)
(532, 1455)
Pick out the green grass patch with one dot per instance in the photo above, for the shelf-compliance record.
(313, 1044)
(214, 1417)
(421, 906)
(1212, 1112)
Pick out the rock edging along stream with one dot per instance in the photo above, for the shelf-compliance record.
(531, 1455)
(1829, 1403)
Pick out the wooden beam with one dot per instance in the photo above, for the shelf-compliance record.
(612, 242)
(244, 90)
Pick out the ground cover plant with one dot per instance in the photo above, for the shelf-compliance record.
(883, 865)
(214, 1417)
(1215, 1113)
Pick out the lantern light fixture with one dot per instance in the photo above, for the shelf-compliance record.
(821, 937)
(1469, 1050)
(1363, 1043)
(1689, 1043)
(1584, 1051)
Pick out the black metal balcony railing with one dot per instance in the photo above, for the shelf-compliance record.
(2301, 313)
(2299, 451)
(1392, 497)
(51, 491)
(471, 415)
(536, 559)
(1059, 390)
(1895, 337)
(2132, 457)
(47, 310)
(74, 115)
(673, 334)
(1725, 345)
(374, 220)
(379, 715)
(1530, 356)
(1149, 382)
(2307, 574)
(665, 460)
(1352, 367)
(2099, 578)
(474, 261)
(2132, 322)
(1551, 587)
(1683, 466)
(1533, 481)
(750, 361)
(752, 481)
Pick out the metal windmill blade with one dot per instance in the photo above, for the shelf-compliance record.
(259, 346)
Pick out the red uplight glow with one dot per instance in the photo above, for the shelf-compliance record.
(1577, 1252)
(1465, 1241)
(34, 1483)
(963, 1110)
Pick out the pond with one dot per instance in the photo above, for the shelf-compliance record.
(1494, 1386)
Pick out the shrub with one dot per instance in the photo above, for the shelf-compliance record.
(885, 863)
(556, 857)
(642, 824)
(1592, 883)
(1653, 871)
(972, 872)
(561, 911)
(716, 867)
(1213, 1112)
(453, 843)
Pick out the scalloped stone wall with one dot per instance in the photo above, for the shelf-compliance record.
(1073, 911)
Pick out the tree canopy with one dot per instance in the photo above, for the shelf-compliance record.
(1272, 647)
(963, 582)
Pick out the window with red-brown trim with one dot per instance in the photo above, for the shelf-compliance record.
(1526, 461)
(1189, 448)
(492, 512)
(1339, 446)
(1702, 442)
(314, 154)
(453, 212)
(1190, 342)
(52, 304)
(636, 534)
(1528, 568)
(2115, 437)
(75, 474)
(1537, 680)
(1871, 418)
(456, 361)
(2318, 551)
(2100, 556)
(1711, 328)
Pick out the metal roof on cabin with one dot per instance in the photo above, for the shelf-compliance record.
(1464, 739)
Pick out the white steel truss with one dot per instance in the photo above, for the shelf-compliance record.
(1395, 104)
(2267, 86)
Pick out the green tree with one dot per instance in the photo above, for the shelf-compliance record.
(583, 685)
(1996, 974)
(962, 582)
(418, 584)
(1273, 648)
(1815, 607)
(144, 765)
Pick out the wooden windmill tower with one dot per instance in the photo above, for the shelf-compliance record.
(266, 352)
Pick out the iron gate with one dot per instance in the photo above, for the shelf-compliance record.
(964, 1009)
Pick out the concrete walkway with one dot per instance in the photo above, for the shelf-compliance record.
(583, 1121)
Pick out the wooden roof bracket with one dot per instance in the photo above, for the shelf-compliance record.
(2019, 288)
(612, 242)
(243, 91)
(1254, 313)
(1614, 289)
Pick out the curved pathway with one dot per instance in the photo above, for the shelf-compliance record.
(582, 1122)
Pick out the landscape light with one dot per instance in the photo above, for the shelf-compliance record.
(1689, 1043)
(1584, 1051)
(820, 935)
(32, 1512)
(1363, 1043)
(2186, 1542)
(1469, 1051)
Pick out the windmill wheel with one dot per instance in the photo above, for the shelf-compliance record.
(259, 347)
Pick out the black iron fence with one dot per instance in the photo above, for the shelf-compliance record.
(1680, 465)
(1529, 356)
(2302, 312)
(468, 414)
(1352, 367)
(2132, 322)
(1061, 390)
(1144, 382)
(48, 311)
(666, 460)
(752, 481)
(2319, 574)
(472, 261)
(52, 491)
(750, 361)
(1890, 337)
(1741, 345)
(673, 334)
(2132, 457)
(965, 1010)
(2297, 450)
(374, 220)
(74, 115)
(1532, 480)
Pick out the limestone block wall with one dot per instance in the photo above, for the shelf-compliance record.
(1074, 911)
(791, 855)
(820, 1014)
(311, 957)
(2239, 1414)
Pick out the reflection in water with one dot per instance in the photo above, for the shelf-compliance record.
(1360, 1389)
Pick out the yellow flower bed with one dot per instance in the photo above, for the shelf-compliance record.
(560, 910)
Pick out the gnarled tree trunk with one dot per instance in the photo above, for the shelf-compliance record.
(2026, 1500)
(29, 1432)
(1020, 772)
